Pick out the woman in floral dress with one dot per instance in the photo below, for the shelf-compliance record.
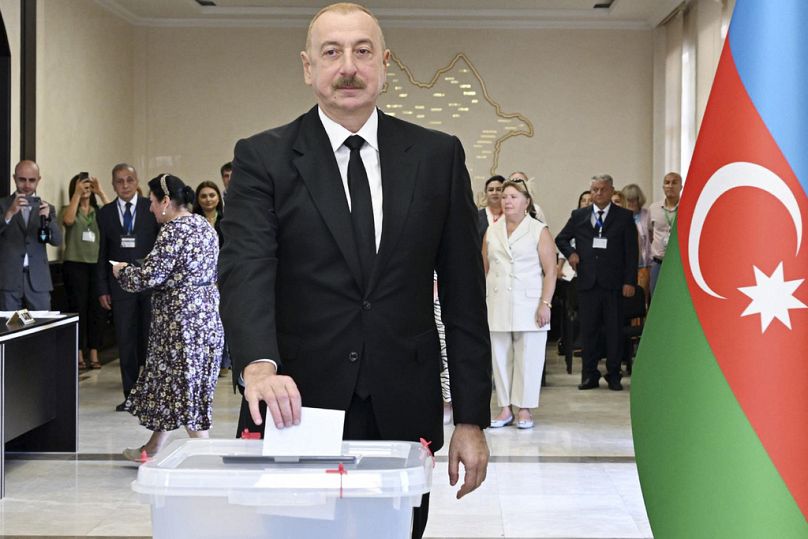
(176, 386)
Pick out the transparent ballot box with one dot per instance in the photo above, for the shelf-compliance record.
(225, 489)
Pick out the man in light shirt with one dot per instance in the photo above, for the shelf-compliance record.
(663, 213)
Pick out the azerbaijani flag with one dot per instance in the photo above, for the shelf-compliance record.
(719, 398)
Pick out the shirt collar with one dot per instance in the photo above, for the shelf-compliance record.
(664, 207)
(595, 209)
(122, 202)
(337, 134)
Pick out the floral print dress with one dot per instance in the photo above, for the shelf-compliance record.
(176, 386)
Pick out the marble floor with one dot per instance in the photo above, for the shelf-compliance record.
(571, 477)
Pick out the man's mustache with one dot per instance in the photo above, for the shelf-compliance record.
(349, 83)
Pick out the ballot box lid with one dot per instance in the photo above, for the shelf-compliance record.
(197, 467)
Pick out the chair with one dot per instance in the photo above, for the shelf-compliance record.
(634, 313)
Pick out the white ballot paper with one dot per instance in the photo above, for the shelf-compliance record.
(318, 434)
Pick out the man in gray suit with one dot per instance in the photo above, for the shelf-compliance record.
(25, 279)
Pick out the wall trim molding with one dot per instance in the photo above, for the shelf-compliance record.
(288, 17)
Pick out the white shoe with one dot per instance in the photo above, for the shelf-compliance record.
(499, 423)
(524, 424)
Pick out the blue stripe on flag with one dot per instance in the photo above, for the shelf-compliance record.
(769, 43)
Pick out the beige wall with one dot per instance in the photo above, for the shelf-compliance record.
(11, 18)
(201, 89)
(588, 94)
(177, 99)
(85, 95)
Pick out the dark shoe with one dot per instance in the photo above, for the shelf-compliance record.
(121, 407)
(614, 383)
(589, 383)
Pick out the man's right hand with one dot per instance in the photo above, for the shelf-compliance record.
(262, 383)
(19, 202)
(573, 259)
(105, 301)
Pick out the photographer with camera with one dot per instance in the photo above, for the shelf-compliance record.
(82, 240)
(28, 224)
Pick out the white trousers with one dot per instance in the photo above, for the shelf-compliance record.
(518, 358)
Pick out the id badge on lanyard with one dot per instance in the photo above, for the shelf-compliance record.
(599, 242)
(128, 241)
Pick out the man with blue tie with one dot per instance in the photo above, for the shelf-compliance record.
(127, 231)
(604, 253)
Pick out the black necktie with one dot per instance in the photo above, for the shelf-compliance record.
(599, 221)
(361, 207)
(127, 219)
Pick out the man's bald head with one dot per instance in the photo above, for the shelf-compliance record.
(26, 177)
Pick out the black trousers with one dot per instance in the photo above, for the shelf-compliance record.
(132, 317)
(360, 424)
(80, 278)
(600, 311)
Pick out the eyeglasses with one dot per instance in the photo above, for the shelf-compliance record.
(517, 180)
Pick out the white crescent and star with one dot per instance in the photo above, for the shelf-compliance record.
(772, 296)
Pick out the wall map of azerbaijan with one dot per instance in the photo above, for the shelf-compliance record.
(455, 101)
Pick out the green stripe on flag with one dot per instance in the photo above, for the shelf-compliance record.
(703, 470)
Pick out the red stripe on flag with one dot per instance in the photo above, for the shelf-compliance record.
(746, 228)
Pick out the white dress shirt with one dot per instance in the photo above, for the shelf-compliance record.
(370, 157)
(122, 211)
(595, 210)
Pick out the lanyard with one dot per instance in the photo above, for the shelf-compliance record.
(599, 223)
(88, 219)
(123, 221)
(670, 215)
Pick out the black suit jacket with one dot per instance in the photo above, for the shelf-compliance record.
(291, 287)
(110, 232)
(608, 268)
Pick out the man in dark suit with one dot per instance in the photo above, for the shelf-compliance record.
(604, 254)
(127, 231)
(330, 245)
(25, 279)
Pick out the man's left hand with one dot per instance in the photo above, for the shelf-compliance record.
(44, 209)
(468, 446)
(628, 291)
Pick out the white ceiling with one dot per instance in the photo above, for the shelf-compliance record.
(627, 14)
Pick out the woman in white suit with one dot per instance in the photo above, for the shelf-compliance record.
(520, 264)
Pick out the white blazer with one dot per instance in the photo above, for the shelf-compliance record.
(514, 279)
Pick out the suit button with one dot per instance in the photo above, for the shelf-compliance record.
(353, 356)
(366, 305)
